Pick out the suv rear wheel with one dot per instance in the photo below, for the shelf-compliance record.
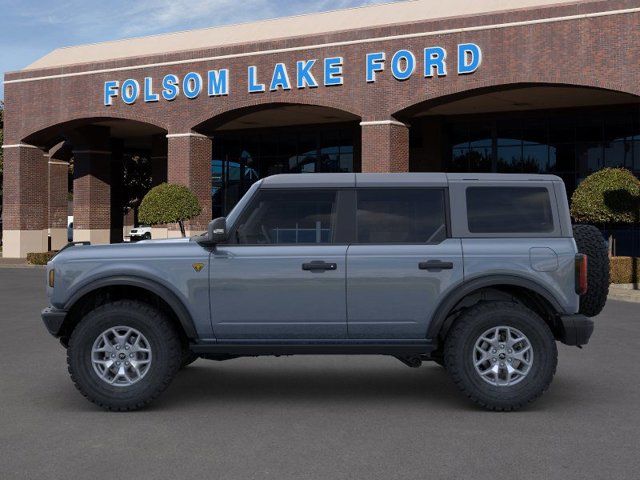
(123, 354)
(501, 355)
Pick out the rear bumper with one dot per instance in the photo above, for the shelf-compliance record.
(53, 319)
(575, 329)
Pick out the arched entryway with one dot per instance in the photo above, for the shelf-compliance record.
(565, 130)
(93, 172)
(258, 141)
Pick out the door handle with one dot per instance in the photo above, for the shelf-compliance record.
(436, 265)
(319, 266)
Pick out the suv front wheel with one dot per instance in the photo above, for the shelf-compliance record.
(123, 354)
(501, 355)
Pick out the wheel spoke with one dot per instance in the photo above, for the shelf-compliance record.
(111, 365)
(509, 352)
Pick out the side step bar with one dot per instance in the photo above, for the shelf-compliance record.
(242, 348)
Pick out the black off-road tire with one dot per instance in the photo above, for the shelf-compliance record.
(591, 243)
(459, 360)
(165, 347)
(188, 357)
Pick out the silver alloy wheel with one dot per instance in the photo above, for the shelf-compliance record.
(121, 356)
(503, 356)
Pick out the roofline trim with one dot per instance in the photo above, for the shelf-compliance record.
(330, 44)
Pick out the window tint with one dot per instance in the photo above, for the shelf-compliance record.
(387, 215)
(291, 216)
(509, 210)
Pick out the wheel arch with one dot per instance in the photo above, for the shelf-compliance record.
(534, 295)
(127, 286)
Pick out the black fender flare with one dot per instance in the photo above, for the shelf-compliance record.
(178, 307)
(466, 288)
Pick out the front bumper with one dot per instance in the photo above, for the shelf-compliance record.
(575, 329)
(53, 319)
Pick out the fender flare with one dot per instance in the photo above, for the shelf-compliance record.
(178, 307)
(466, 288)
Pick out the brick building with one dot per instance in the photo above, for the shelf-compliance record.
(526, 86)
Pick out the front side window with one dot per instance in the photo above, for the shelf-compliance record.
(289, 217)
(509, 210)
(388, 215)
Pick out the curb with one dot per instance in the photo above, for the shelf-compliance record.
(624, 292)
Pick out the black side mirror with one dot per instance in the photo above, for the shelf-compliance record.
(217, 231)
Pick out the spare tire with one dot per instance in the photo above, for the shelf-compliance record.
(591, 243)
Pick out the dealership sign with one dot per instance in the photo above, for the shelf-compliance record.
(310, 73)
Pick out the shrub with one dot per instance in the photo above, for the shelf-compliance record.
(169, 203)
(625, 269)
(40, 258)
(611, 195)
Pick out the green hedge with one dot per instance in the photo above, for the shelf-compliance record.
(622, 269)
(40, 258)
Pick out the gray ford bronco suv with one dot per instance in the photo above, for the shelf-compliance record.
(481, 273)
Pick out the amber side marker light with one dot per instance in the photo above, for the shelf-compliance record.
(581, 274)
(52, 277)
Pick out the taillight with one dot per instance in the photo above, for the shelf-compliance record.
(581, 274)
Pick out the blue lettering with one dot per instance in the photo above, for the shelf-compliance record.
(192, 85)
(403, 64)
(149, 96)
(280, 78)
(130, 91)
(218, 82)
(434, 57)
(254, 86)
(469, 58)
(170, 87)
(375, 63)
(110, 91)
(304, 76)
(333, 71)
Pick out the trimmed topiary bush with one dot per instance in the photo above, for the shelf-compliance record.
(40, 258)
(169, 203)
(611, 195)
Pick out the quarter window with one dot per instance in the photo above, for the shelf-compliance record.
(387, 215)
(289, 217)
(509, 210)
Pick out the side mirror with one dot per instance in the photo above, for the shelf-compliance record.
(217, 231)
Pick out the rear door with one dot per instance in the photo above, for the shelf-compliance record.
(401, 263)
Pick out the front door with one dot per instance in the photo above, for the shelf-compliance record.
(401, 263)
(283, 275)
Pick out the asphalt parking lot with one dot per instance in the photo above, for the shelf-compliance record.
(315, 417)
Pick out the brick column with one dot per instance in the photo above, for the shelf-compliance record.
(189, 163)
(91, 184)
(385, 146)
(58, 189)
(92, 196)
(59, 157)
(25, 209)
(158, 159)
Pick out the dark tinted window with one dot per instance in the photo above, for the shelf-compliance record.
(289, 216)
(509, 210)
(387, 215)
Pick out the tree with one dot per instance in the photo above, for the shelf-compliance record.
(608, 196)
(169, 203)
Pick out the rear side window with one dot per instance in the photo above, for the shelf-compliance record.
(509, 210)
(387, 215)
